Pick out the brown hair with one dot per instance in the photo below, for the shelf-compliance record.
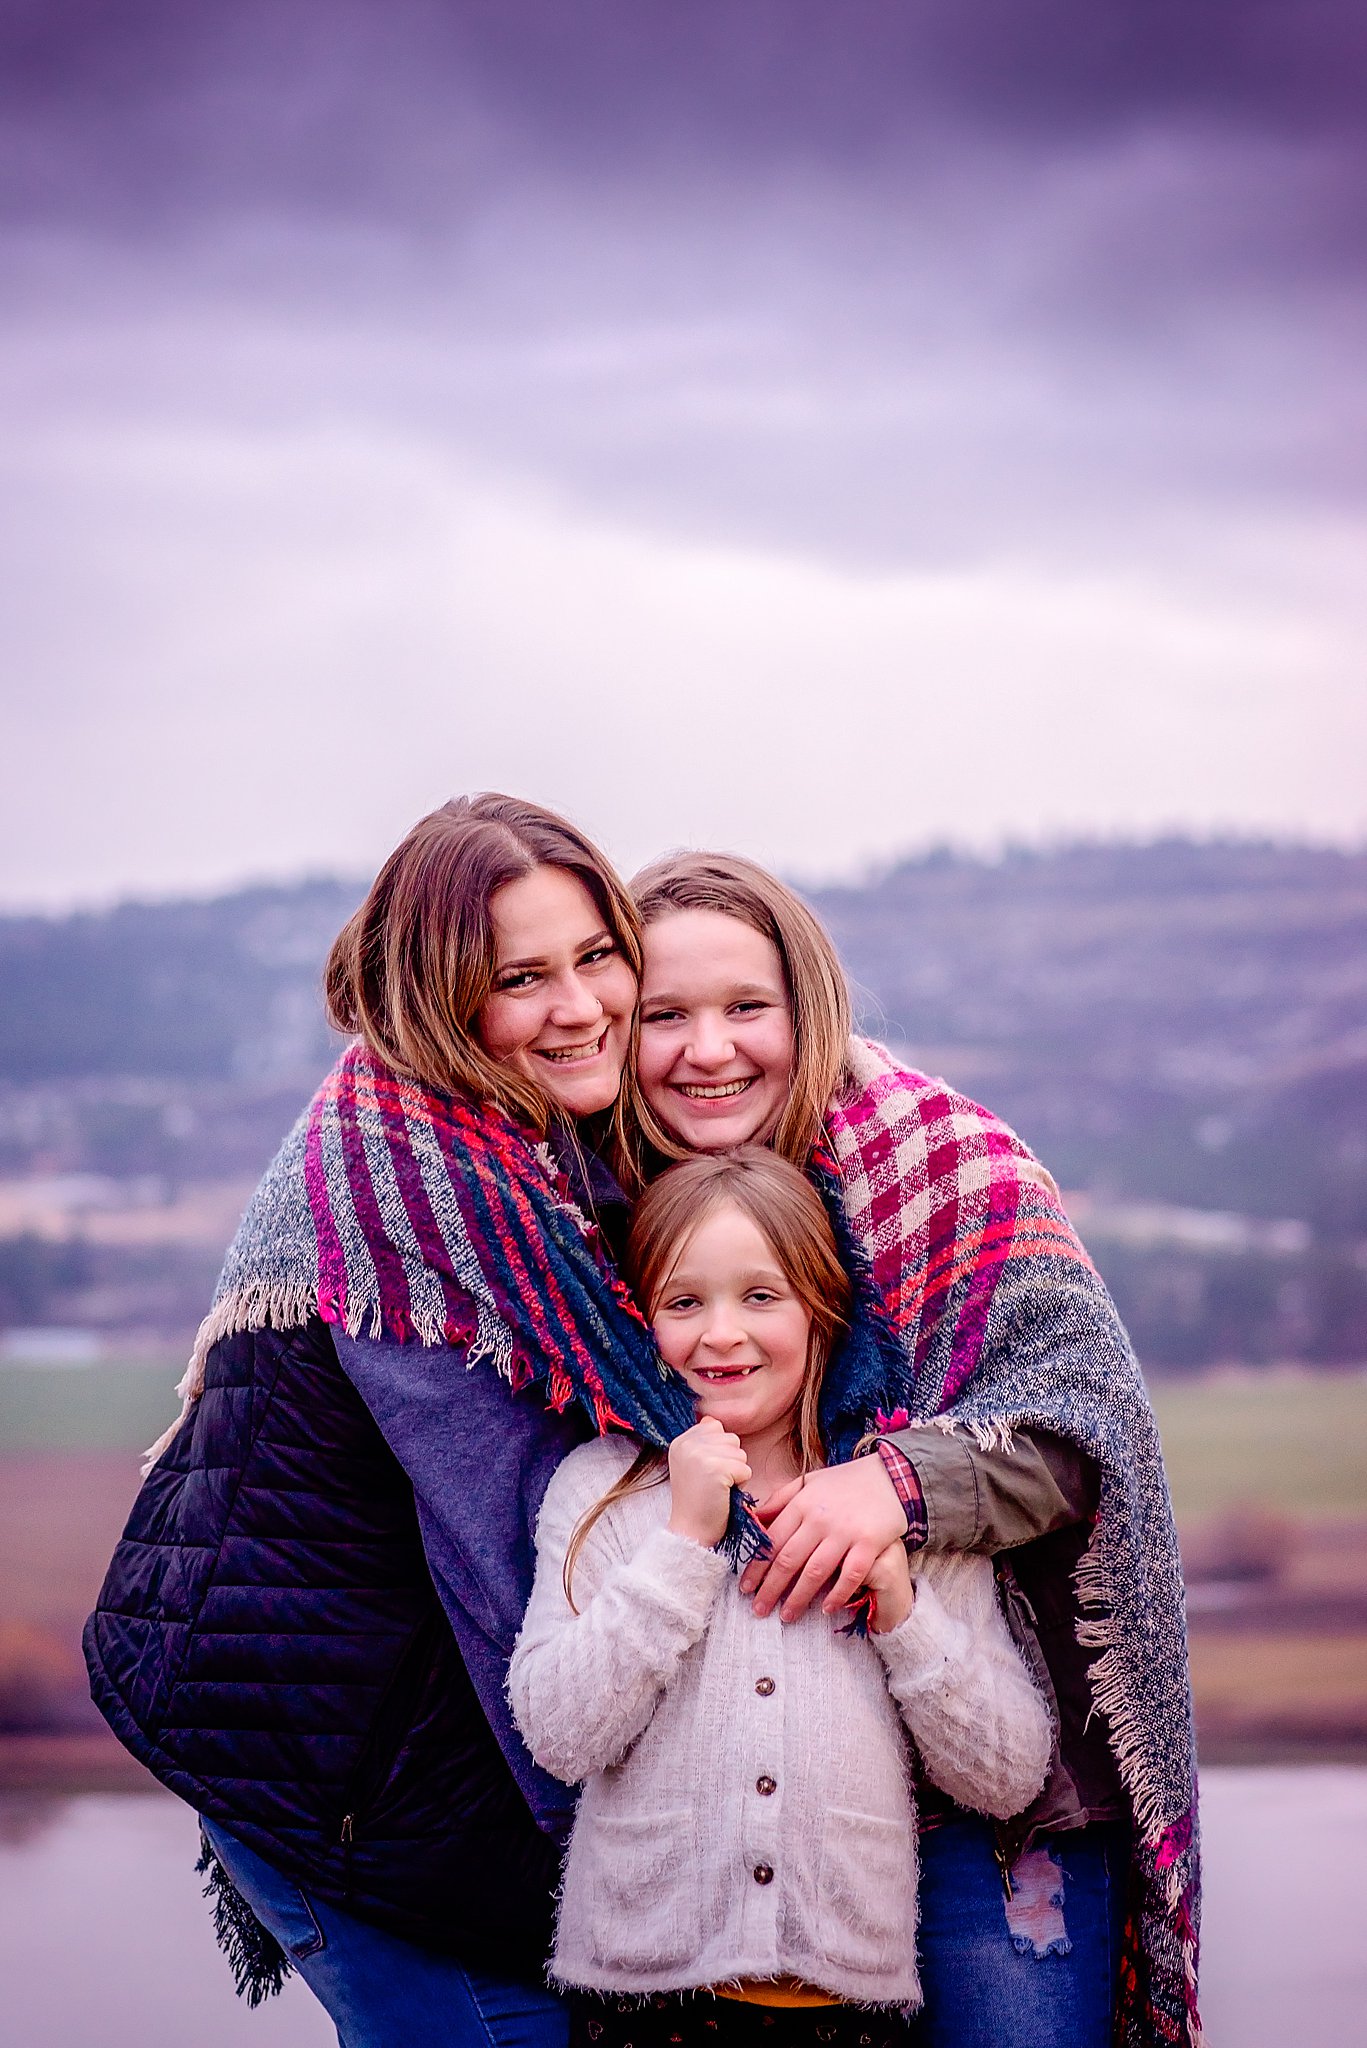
(817, 989)
(790, 1215)
(409, 972)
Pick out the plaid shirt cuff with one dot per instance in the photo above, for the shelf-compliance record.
(902, 1473)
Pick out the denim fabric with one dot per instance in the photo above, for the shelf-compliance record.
(381, 1992)
(1046, 1979)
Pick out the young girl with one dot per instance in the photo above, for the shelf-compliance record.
(747, 1826)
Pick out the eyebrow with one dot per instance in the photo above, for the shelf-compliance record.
(539, 959)
(742, 989)
(751, 1276)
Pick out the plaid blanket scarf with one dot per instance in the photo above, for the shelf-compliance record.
(401, 1214)
(1005, 1324)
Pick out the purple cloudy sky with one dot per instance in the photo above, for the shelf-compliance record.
(817, 428)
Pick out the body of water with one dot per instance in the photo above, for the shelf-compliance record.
(104, 1939)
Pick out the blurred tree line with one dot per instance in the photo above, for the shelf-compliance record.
(1179, 1029)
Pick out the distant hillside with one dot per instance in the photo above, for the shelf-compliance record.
(225, 990)
(1180, 1031)
(1178, 1023)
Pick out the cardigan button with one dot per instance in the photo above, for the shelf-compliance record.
(764, 1873)
(764, 1686)
(766, 1786)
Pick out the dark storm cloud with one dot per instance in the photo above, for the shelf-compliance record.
(875, 279)
(153, 105)
(989, 371)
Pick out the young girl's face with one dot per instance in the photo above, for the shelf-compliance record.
(716, 1045)
(728, 1320)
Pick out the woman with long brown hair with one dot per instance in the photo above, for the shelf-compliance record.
(1026, 1433)
(305, 1630)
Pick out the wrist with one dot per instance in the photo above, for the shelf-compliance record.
(693, 1531)
(891, 1608)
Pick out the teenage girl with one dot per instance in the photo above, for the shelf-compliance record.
(746, 1829)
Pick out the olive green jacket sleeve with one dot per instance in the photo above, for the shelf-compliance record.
(995, 1500)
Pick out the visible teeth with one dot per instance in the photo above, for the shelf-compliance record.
(705, 1094)
(570, 1052)
(722, 1372)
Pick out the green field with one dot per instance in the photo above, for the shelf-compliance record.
(1296, 1444)
(117, 1405)
(1292, 1443)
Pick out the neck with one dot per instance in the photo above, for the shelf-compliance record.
(770, 1455)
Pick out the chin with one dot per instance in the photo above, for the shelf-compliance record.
(585, 1101)
(585, 1094)
(717, 1137)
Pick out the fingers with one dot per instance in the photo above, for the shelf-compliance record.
(774, 1503)
(858, 1569)
(766, 1514)
(766, 1578)
(791, 1563)
(818, 1572)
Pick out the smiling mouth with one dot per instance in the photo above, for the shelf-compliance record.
(716, 1374)
(700, 1091)
(573, 1055)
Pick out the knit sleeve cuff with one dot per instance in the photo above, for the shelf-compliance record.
(922, 1650)
(679, 1575)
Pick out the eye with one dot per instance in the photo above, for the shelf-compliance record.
(763, 1296)
(749, 1007)
(677, 1304)
(661, 1016)
(596, 954)
(509, 984)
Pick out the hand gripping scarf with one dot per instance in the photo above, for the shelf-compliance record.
(401, 1214)
(1004, 1325)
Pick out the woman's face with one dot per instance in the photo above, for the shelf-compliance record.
(716, 1041)
(562, 996)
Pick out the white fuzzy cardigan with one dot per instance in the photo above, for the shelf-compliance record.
(747, 1808)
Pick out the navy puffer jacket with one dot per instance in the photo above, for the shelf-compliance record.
(270, 1644)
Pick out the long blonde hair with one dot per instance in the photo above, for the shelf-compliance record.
(790, 1215)
(817, 989)
(410, 970)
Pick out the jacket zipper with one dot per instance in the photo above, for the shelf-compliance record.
(376, 1759)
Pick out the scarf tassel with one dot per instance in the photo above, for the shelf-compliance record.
(256, 1959)
(746, 1539)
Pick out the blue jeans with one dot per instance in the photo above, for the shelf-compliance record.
(382, 1992)
(1032, 1971)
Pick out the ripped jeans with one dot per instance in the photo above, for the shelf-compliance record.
(1032, 1972)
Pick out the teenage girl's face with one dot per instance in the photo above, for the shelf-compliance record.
(716, 1040)
(728, 1320)
(562, 997)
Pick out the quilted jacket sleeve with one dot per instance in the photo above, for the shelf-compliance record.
(981, 1727)
(584, 1685)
